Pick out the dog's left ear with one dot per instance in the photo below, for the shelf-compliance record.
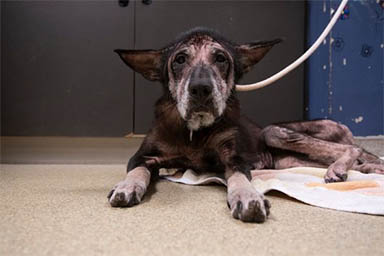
(252, 53)
(145, 62)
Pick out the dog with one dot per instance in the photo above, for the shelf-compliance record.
(198, 125)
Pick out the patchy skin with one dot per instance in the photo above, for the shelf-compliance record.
(337, 171)
(244, 201)
(369, 167)
(223, 140)
(130, 191)
(200, 52)
(334, 150)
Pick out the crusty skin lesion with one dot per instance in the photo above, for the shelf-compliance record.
(198, 125)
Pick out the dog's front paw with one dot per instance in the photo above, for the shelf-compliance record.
(337, 172)
(126, 194)
(248, 205)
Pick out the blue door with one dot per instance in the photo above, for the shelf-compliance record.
(345, 77)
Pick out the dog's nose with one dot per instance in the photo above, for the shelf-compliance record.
(200, 87)
(200, 91)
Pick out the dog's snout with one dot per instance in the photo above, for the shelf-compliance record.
(200, 87)
(200, 91)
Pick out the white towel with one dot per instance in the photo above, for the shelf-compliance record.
(361, 193)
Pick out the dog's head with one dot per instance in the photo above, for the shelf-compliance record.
(199, 69)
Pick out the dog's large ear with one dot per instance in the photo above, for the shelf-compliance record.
(252, 53)
(145, 62)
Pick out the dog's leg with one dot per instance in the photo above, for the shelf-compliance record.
(283, 160)
(340, 156)
(322, 129)
(245, 202)
(369, 167)
(369, 158)
(338, 170)
(130, 191)
(334, 132)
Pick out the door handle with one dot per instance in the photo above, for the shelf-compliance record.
(123, 3)
(147, 2)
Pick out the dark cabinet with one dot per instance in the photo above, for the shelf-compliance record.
(61, 77)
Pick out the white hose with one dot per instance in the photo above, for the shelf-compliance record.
(300, 60)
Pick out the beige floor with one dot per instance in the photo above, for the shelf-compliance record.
(63, 210)
(53, 202)
(67, 150)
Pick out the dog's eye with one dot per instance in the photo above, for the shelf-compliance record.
(180, 59)
(220, 58)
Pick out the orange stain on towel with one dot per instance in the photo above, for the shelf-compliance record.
(345, 186)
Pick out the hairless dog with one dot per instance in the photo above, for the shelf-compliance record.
(198, 125)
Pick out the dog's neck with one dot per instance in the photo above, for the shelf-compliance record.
(170, 124)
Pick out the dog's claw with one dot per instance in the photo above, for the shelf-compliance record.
(237, 211)
(110, 193)
(267, 205)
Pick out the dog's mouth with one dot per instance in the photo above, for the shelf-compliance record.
(200, 119)
(200, 115)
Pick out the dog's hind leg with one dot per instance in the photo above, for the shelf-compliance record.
(334, 132)
(287, 159)
(339, 157)
(369, 167)
(336, 170)
(322, 129)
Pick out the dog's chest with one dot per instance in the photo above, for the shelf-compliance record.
(195, 156)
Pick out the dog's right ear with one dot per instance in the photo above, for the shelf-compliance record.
(145, 62)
